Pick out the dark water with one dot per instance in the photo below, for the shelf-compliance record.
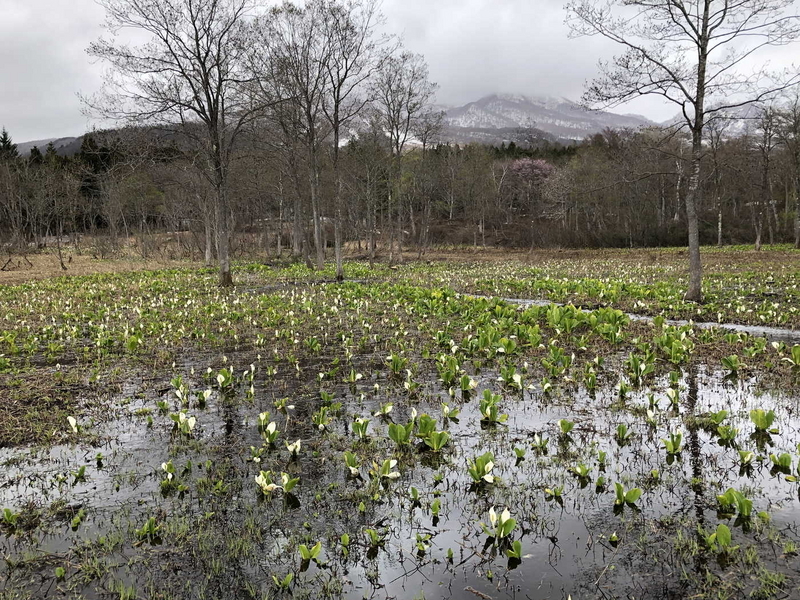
(565, 544)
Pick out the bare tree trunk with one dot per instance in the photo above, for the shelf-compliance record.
(297, 228)
(372, 224)
(400, 235)
(679, 169)
(774, 207)
(337, 242)
(758, 227)
(797, 209)
(320, 252)
(391, 229)
(279, 241)
(337, 208)
(306, 253)
(60, 232)
(209, 240)
(770, 230)
(223, 237)
(313, 168)
(694, 293)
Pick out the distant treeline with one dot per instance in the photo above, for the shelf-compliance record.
(616, 188)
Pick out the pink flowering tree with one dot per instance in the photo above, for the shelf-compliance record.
(528, 176)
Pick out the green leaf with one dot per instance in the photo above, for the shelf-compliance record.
(515, 551)
(723, 535)
(316, 550)
(633, 495)
(620, 493)
(508, 527)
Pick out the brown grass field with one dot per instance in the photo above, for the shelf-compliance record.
(45, 264)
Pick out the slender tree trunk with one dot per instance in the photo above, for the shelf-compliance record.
(775, 218)
(390, 211)
(694, 293)
(759, 226)
(770, 230)
(797, 207)
(391, 238)
(60, 232)
(317, 225)
(372, 221)
(399, 237)
(313, 172)
(281, 197)
(223, 237)
(297, 228)
(337, 236)
(209, 239)
(306, 252)
(679, 168)
(337, 207)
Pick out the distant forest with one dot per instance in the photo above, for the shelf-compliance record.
(304, 127)
(615, 189)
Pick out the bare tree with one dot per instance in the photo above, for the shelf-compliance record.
(717, 132)
(427, 130)
(764, 142)
(188, 77)
(788, 128)
(693, 54)
(403, 94)
(290, 63)
(368, 167)
(356, 52)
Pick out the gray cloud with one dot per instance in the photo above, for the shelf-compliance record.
(44, 65)
(473, 47)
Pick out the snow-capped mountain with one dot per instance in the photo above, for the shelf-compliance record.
(558, 117)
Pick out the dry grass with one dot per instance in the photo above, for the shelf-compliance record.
(45, 265)
(714, 260)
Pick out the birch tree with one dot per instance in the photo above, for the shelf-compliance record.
(291, 65)
(403, 94)
(697, 55)
(788, 127)
(356, 52)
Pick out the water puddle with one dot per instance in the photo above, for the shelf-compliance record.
(220, 539)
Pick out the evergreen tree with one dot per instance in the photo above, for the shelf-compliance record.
(36, 157)
(8, 149)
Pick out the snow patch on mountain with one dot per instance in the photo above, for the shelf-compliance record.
(559, 117)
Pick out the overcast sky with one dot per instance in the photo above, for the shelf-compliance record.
(473, 48)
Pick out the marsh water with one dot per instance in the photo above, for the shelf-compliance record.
(82, 504)
(773, 334)
(224, 540)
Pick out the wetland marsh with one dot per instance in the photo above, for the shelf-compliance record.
(399, 437)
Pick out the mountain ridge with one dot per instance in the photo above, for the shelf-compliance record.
(558, 117)
(492, 119)
(65, 146)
